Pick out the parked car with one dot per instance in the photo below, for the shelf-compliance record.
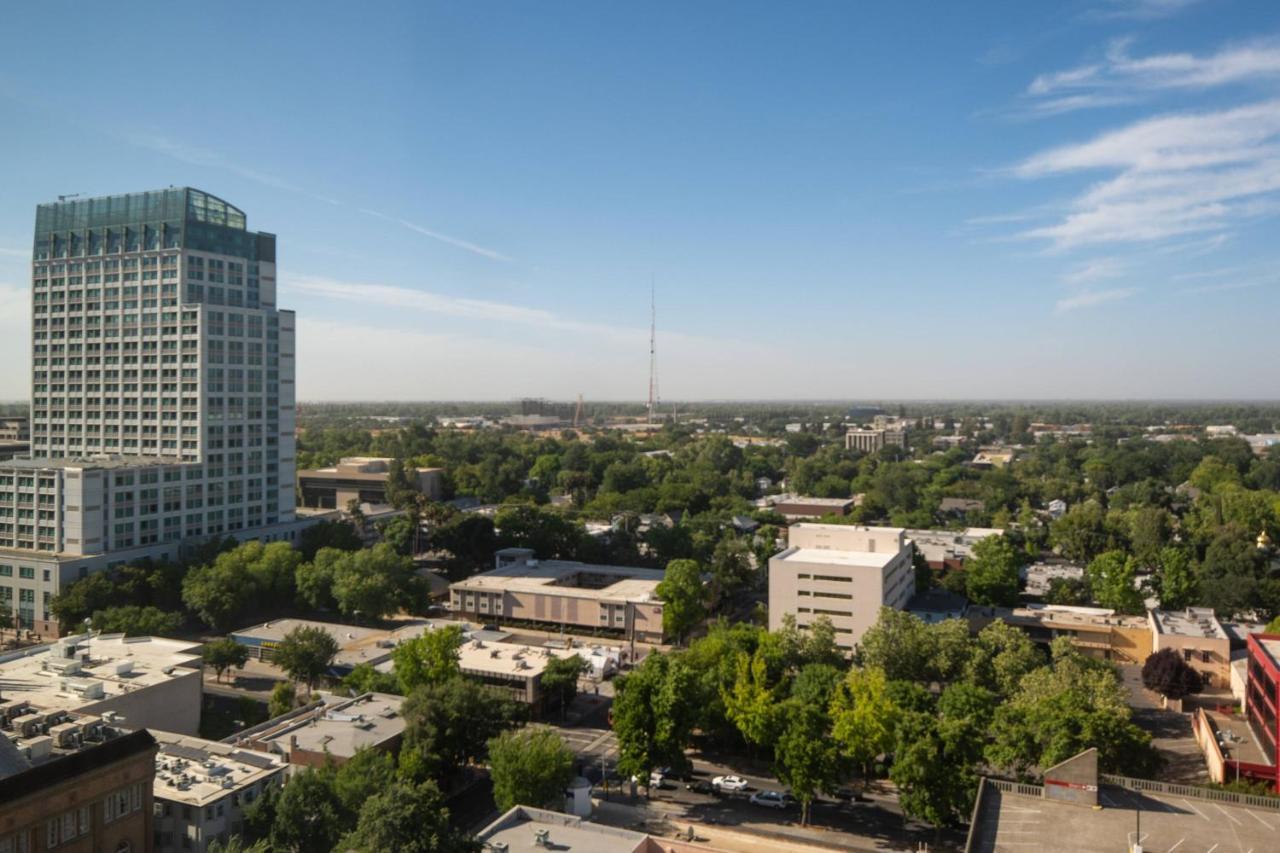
(773, 799)
(657, 778)
(852, 795)
(730, 783)
(702, 786)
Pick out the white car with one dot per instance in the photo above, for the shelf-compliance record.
(730, 783)
(772, 799)
(657, 778)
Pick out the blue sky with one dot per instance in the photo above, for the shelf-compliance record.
(834, 200)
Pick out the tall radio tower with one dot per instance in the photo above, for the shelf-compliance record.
(653, 353)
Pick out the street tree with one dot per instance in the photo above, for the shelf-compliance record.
(407, 818)
(530, 766)
(560, 679)
(430, 658)
(935, 768)
(223, 654)
(805, 757)
(1111, 577)
(864, 717)
(448, 725)
(306, 653)
(653, 715)
(683, 596)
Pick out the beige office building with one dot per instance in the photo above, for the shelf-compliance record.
(843, 572)
(565, 594)
(1197, 635)
(362, 479)
(871, 440)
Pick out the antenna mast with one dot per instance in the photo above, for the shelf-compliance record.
(653, 353)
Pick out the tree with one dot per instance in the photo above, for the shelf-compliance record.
(221, 591)
(306, 653)
(408, 818)
(284, 698)
(236, 844)
(1081, 532)
(991, 574)
(1111, 577)
(368, 772)
(399, 533)
(309, 815)
(1150, 530)
(1166, 673)
(374, 582)
(752, 703)
(401, 486)
(449, 724)
(338, 535)
(363, 678)
(805, 757)
(134, 621)
(863, 717)
(1069, 591)
(898, 644)
(314, 580)
(653, 715)
(430, 658)
(683, 597)
(224, 653)
(531, 767)
(935, 768)
(560, 679)
(1001, 656)
(1176, 580)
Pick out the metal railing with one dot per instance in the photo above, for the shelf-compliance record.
(1212, 794)
(1022, 789)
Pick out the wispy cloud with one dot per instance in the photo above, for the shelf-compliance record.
(1175, 174)
(1143, 10)
(14, 253)
(407, 298)
(197, 155)
(1091, 298)
(1096, 270)
(1224, 286)
(436, 235)
(1122, 77)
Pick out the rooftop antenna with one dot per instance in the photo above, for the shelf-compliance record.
(65, 197)
(653, 352)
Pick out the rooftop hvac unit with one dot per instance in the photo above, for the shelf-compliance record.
(63, 666)
(66, 735)
(33, 725)
(124, 667)
(39, 748)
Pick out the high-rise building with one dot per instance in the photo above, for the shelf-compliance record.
(162, 391)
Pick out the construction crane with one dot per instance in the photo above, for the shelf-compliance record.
(578, 414)
(653, 354)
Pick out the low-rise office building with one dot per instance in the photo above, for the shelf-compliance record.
(362, 479)
(1039, 576)
(948, 549)
(1197, 635)
(525, 828)
(202, 788)
(331, 729)
(96, 797)
(800, 508)
(620, 600)
(1262, 705)
(15, 429)
(1095, 632)
(134, 682)
(875, 439)
(844, 572)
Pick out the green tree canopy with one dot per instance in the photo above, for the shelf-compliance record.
(223, 654)
(430, 658)
(407, 818)
(306, 653)
(683, 597)
(531, 767)
(991, 574)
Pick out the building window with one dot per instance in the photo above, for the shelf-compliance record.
(1206, 656)
(1186, 655)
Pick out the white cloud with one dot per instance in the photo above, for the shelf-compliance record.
(197, 155)
(1090, 298)
(492, 254)
(1096, 270)
(1176, 174)
(1123, 76)
(397, 297)
(1144, 10)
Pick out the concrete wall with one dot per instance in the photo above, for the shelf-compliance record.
(1213, 758)
(1074, 780)
(172, 706)
(1216, 670)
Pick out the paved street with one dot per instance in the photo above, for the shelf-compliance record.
(877, 824)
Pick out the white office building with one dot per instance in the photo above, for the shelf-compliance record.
(162, 392)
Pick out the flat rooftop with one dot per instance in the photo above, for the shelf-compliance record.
(822, 556)
(1192, 622)
(800, 499)
(340, 728)
(1271, 645)
(518, 826)
(195, 771)
(44, 677)
(1009, 822)
(106, 462)
(550, 577)
(508, 659)
(1061, 614)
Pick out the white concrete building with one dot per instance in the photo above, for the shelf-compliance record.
(133, 682)
(202, 788)
(844, 572)
(162, 390)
